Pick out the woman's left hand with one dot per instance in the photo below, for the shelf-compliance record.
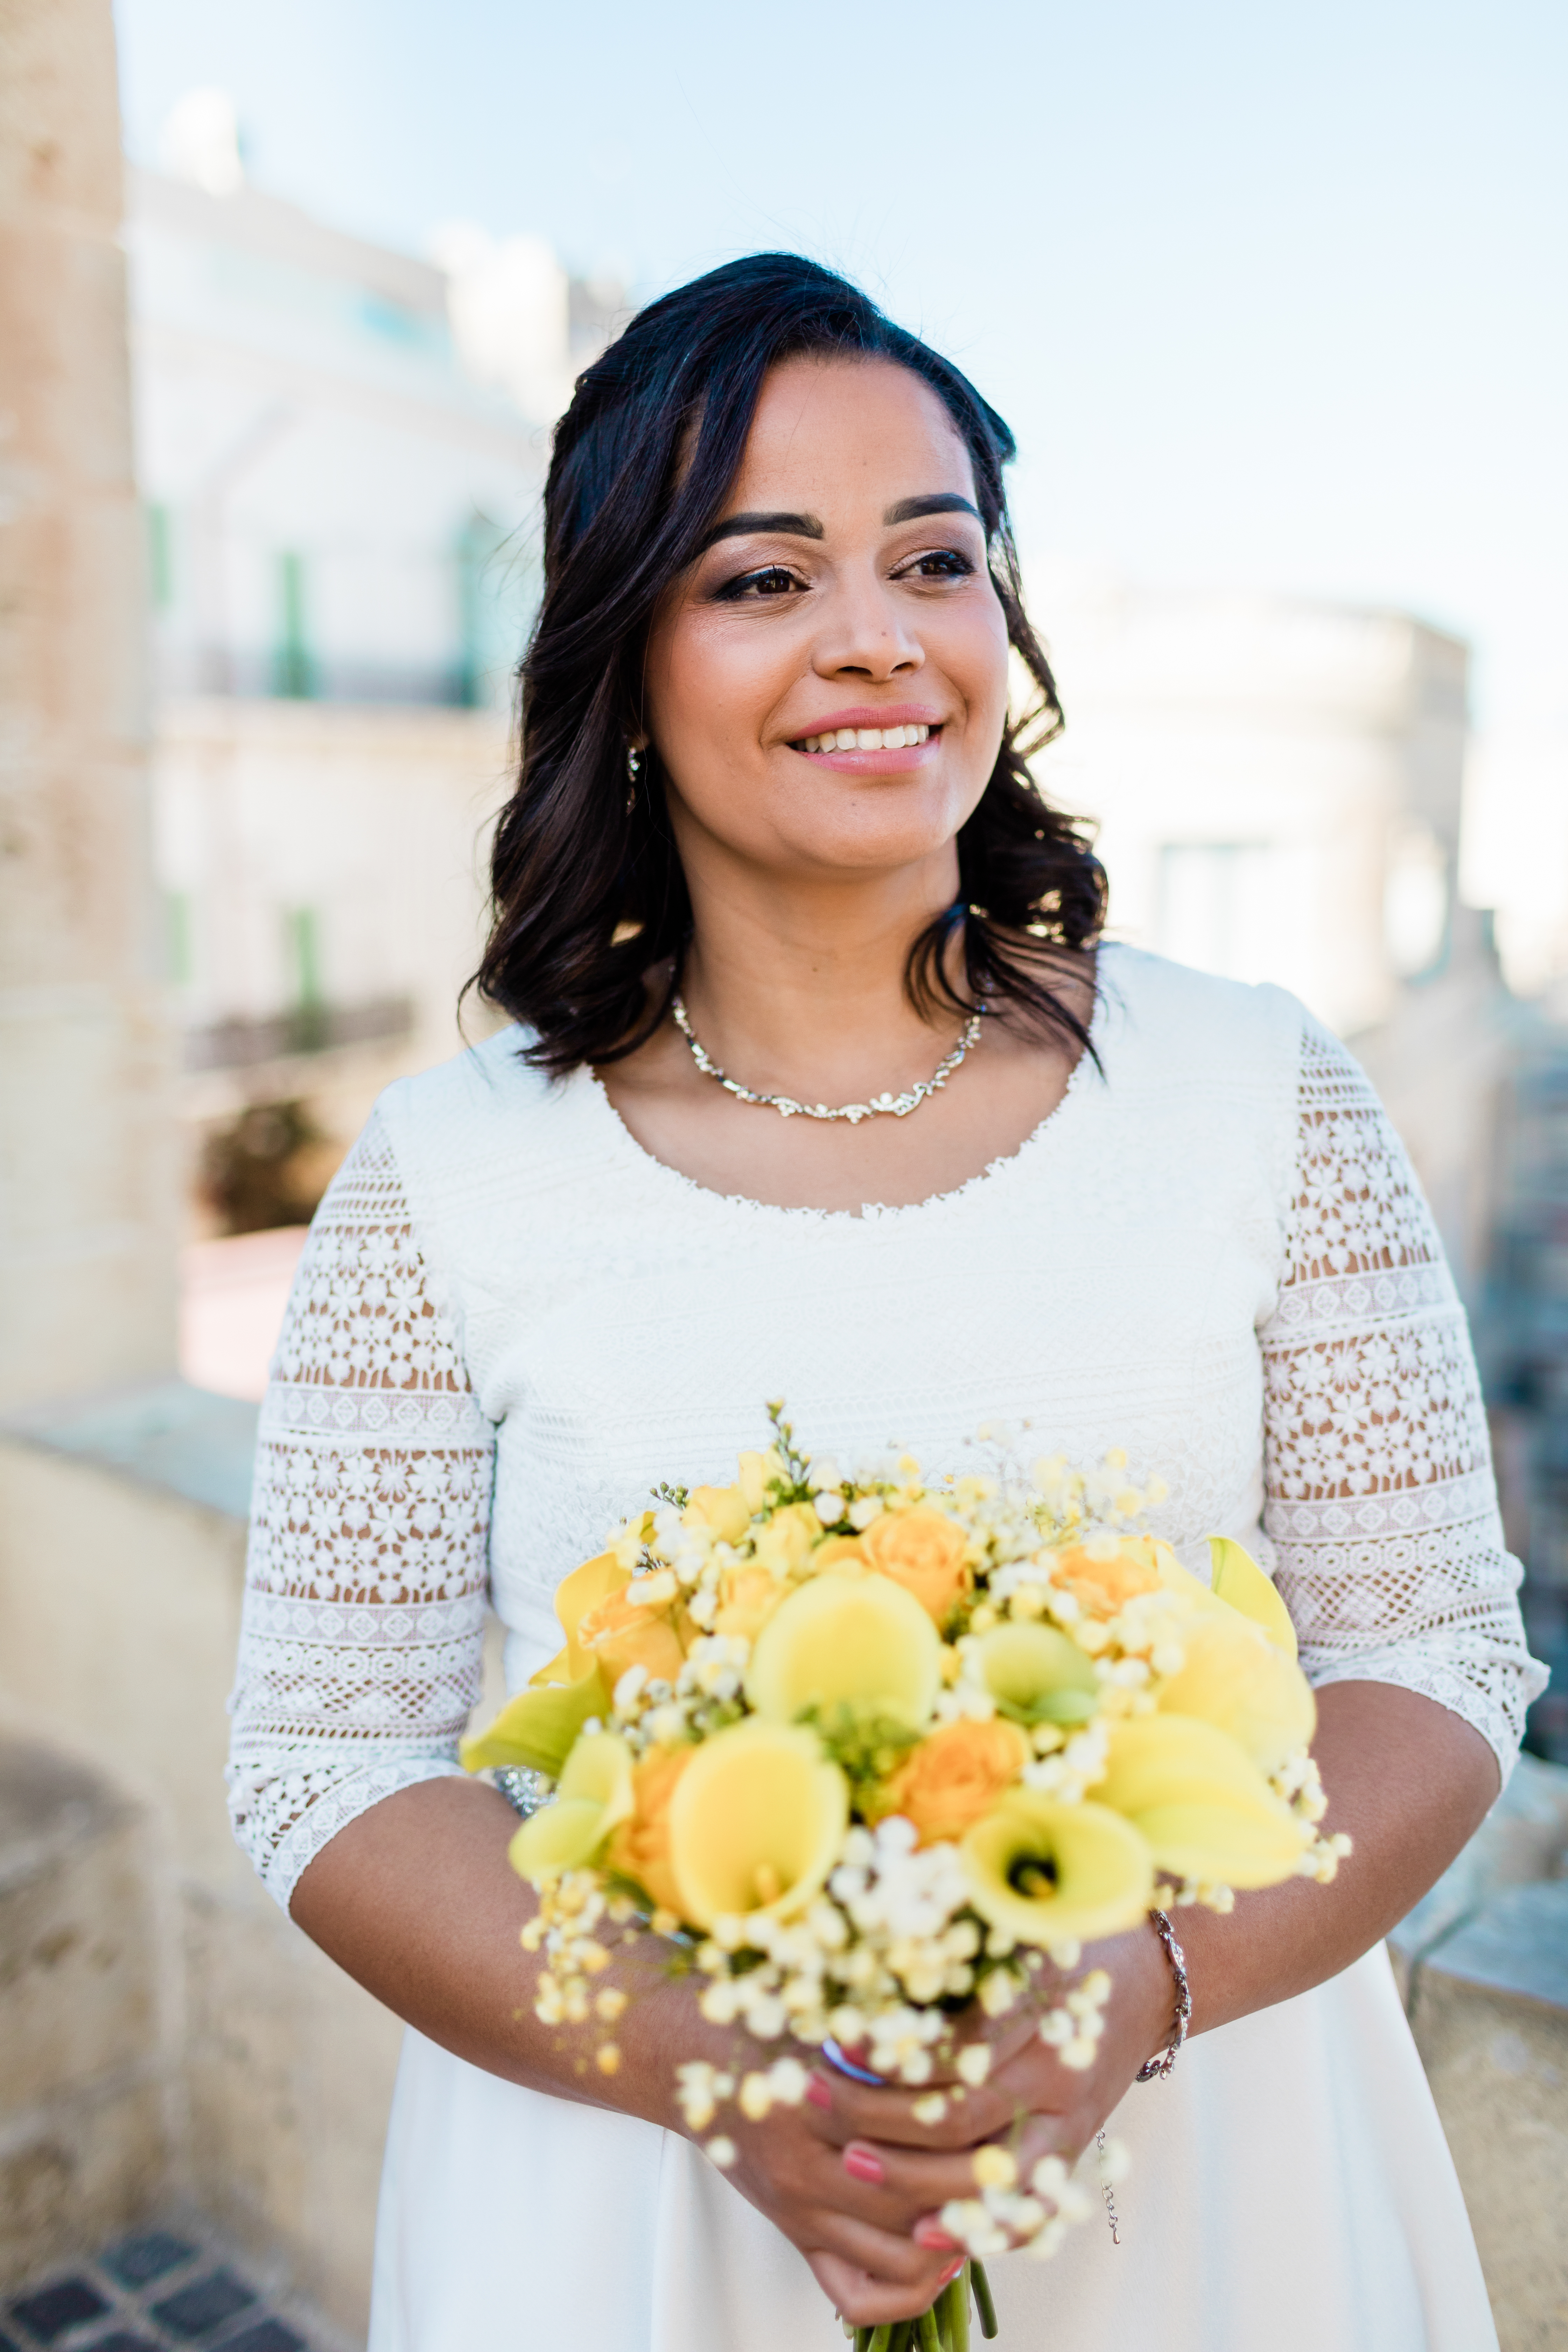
(1030, 2104)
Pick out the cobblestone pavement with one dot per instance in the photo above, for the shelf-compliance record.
(157, 2291)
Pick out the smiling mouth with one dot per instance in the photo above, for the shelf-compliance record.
(864, 739)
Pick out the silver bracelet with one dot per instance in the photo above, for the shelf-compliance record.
(1158, 2068)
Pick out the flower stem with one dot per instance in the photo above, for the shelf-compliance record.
(957, 2301)
(988, 2309)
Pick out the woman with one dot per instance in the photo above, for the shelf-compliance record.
(774, 844)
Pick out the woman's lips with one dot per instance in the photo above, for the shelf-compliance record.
(884, 751)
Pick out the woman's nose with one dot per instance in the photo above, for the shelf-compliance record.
(866, 633)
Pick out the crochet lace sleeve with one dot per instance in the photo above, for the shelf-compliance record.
(361, 1638)
(1381, 1502)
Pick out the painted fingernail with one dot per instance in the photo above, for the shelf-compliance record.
(819, 2093)
(951, 2272)
(931, 2234)
(861, 2164)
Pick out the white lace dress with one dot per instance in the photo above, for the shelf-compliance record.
(510, 1321)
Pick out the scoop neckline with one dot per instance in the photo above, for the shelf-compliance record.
(875, 1213)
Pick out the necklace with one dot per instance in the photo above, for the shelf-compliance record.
(898, 1106)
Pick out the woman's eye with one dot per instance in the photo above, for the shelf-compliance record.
(773, 579)
(942, 564)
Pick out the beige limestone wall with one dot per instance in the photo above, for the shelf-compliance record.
(87, 1205)
(119, 1616)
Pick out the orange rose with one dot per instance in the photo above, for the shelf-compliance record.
(640, 1847)
(922, 1551)
(622, 1632)
(955, 1777)
(1104, 1586)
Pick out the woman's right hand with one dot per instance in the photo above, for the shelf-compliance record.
(792, 2165)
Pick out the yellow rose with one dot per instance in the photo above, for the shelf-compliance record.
(923, 1551)
(1102, 1587)
(1199, 1802)
(843, 1552)
(594, 1798)
(756, 1822)
(639, 1849)
(723, 1508)
(785, 1543)
(1052, 1874)
(622, 1632)
(757, 1472)
(1238, 1679)
(748, 1595)
(953, 1777)
(836, 1642)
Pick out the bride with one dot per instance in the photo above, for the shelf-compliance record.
(774, 845)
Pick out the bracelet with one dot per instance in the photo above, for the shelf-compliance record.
(1161, 2066)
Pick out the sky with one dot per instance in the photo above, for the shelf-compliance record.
(1272, 297)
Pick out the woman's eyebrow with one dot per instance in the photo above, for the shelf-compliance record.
(794, 526)
(937, 503)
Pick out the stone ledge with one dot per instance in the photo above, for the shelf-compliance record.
(163, 1434)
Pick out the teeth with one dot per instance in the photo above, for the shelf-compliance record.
(866, 739)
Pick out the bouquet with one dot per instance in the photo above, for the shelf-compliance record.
(869, 1752)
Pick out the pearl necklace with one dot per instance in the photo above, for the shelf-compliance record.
(899, 1106)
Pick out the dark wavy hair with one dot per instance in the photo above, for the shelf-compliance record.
(587, 892)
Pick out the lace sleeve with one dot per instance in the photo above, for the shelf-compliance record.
(360, 1644)
(1381, 1501)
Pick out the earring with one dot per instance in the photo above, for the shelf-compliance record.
(634, 761)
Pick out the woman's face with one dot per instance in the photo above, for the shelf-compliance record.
(843, 589)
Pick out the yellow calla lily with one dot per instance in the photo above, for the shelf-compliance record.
(860, 1643)
(1052, 1874)
(575, 1595)
(1236, 1679)
(1199, 1802)
(594, 1797)
(1038, 1675)
(756, 1822)
(536, 1730)
(1242, 1585)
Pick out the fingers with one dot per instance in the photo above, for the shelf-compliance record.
(868, 2300)
(838, 2110)
(910, 2184)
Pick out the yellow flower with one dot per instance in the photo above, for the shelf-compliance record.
(860, 1643)
(537, 1728)
(953, 1777)
(924, 1552)
(575, 1596)
(723, 1508)
(1052, 1874)
(748, 1595)
(757, 1472)
(1102, 1587)
(1039, 1676)
(1241, 1584)
(640, 1847)
(1236, 1678)
(843, 1552)
(622, 1631)
(756, 1822)
(1201, 1804)
(785, 1543)
(594, 1796)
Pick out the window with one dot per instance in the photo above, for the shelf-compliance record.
(293, 670)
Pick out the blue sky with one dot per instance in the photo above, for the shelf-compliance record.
(1271, 296)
